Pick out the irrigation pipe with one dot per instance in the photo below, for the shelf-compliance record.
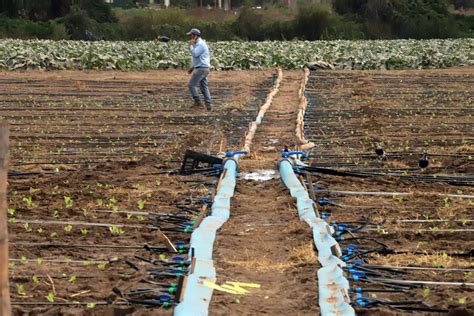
(263, 109)
(332, 285)
(418, 282)
(304, 102)
(391, 194)
(60, 261)
(374, 266)
(197, 296)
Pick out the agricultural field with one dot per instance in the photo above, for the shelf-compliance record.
(95, 159)
(392, 54)
(90, 182)
(387, 211)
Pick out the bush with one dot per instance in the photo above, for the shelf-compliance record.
(25, 29)
(312, 21)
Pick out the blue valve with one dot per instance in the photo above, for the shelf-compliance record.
(358, 262)
(163, 298)
(363, 301)
(233, 153)
(352, 247)
(177, 259)
(285, 154)
(323, 202)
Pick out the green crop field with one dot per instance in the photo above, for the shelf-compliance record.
(127, 56)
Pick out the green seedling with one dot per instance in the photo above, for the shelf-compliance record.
(40, 230)
(50, 297)
(90, 305)
(446, 202)
(426, 292)
(115, 230)
(140, 204)
(53, 235)
(56, 214)
(101, 266)
(462, 300)
(39, 261)
(23, 260)
(140, 217)
(35, 279)
(84, 231)
(68, 202)
(20, 289)
(27, 227)
(28, 200)
(129, 216)
(68, 228)
(11, 212)
(72, 278)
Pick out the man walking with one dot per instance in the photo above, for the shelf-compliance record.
(199, 68)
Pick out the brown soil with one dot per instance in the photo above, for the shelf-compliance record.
(264, 242)
(408, 112)
(95, 137)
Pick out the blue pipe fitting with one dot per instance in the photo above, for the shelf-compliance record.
(230, 154)
(322, 202)
(286, 154)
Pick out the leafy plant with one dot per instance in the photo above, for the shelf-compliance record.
(20, 289)
(68, 201)
(115, 230)
(68, 228)
(50, 297)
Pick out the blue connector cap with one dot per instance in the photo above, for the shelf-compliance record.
(285, 154)
(323, 202)
(233, 153)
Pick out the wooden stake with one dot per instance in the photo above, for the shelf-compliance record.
(5, 308)
(201, 216)
(310, 187)
(162, 237)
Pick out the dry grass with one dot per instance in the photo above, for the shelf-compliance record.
(260, 265)
(303, 254)
(421, 260)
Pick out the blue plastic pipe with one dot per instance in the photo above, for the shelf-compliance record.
(333, 286)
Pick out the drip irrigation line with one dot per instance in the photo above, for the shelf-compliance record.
(436, 230)
(391, 194)
(416, 268)
(420, 282)
(22, 277)
(433, 220)
(65, 245)
(105, 225)
(39, 303)
(61, 261)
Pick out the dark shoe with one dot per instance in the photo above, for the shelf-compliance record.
(197, 104)
(208, 107)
